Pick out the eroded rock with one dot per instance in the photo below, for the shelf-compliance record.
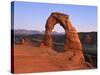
(72, 46)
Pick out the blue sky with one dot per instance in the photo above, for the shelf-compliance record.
(33, 16)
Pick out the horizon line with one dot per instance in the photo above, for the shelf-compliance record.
(52, 30)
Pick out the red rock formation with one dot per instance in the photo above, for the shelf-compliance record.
(72, 46)
(72, 40)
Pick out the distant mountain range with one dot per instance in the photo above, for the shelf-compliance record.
(30, 32)
(27, 32)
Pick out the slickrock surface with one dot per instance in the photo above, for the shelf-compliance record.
(34, 59)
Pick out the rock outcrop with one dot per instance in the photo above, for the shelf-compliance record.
(72, 47)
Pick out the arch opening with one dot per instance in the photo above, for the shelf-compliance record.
(58, 38)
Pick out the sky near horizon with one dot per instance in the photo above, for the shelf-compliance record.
(33, 16)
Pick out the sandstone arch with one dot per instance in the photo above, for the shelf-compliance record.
(72, 46)
(72, 40)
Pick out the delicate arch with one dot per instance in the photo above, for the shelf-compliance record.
(70, 31)
(72, 46)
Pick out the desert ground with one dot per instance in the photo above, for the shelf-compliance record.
(28, 57)
(34, 59)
